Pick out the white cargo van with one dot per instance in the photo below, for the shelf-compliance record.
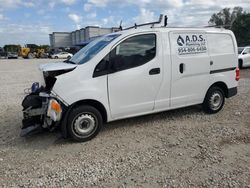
(142, 70)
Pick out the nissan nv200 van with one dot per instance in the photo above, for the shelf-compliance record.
(134, 72)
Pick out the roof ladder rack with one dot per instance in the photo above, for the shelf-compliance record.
(150, 23)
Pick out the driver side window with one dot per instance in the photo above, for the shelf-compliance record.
(133, 52)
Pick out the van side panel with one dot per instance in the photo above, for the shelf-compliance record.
(190, 67)
(223, 54)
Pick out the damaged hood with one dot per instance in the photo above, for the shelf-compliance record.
(56, 66)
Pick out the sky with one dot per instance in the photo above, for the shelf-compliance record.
(30, 21)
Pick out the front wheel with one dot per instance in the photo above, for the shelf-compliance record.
(214, 100)
(84, 123)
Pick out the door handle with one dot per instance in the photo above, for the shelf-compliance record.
(155, 71)
(181, 68)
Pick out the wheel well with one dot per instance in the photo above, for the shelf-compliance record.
(221, 85)
(99, 106)
(240, 61)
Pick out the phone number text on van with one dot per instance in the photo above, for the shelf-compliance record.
(192, 50)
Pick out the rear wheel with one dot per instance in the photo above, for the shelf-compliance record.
(214, 100)
(56, 57)
(84, 123)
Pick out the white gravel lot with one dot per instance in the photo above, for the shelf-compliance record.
(181, 148)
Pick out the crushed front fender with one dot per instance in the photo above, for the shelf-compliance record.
(34, 111)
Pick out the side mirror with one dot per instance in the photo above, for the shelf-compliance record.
(244, 53)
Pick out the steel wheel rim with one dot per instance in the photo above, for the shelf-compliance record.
(216, 101)
(84, 124)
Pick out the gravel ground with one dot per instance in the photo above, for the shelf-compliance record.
(180, 148)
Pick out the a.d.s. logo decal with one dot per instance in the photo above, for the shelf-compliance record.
(180, 41)
(191, 43)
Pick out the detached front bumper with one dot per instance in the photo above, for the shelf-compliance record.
(40, 111)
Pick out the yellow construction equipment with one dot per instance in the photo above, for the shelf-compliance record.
(31, 51)
(25, 53)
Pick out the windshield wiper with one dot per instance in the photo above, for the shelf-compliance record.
(68, 61)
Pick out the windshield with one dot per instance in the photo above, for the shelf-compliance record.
(240, 49)
(89, 51)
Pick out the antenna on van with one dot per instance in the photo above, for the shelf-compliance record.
(151, 23)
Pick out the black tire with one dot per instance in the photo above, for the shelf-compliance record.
(69, 57)
(82, 117)
(214, 100)
(56, 57)
(240, 64)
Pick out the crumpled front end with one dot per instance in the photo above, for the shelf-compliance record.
(40, 111)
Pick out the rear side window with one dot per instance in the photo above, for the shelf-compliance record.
(134, 52)
(220, 44)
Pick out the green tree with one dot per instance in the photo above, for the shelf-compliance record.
(12, 48)
(45, 47)
(241, 29)
(226, 17)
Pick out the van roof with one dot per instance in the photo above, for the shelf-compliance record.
(169, 29)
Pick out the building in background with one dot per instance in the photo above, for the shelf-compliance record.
(58, 39)
(74, 38)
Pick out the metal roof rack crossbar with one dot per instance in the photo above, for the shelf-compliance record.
(150, 23)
